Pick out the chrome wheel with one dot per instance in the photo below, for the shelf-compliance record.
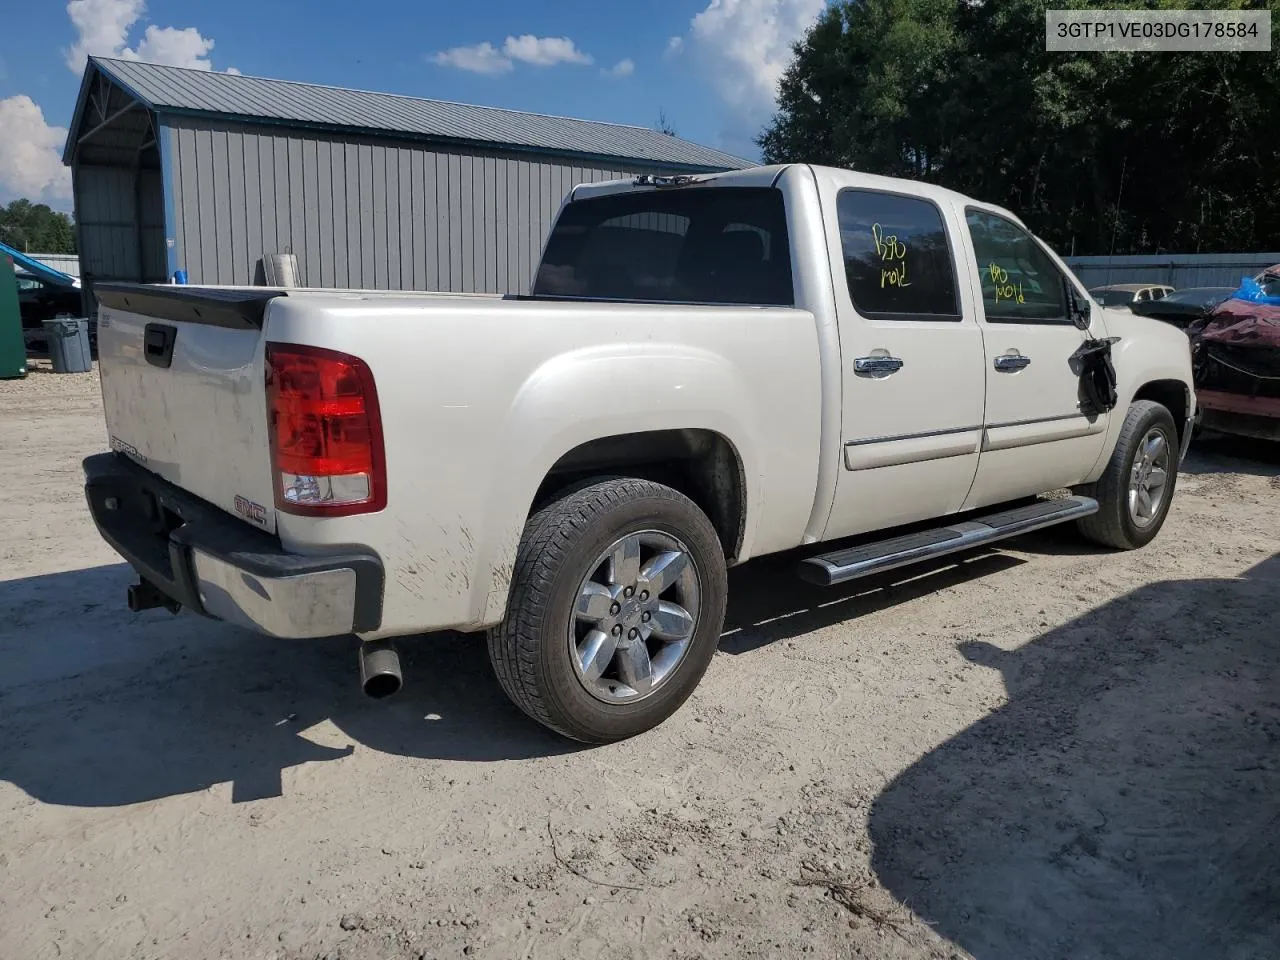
(634, 618)
(1149, 477)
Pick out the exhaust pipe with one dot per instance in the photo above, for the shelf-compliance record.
(380, 668)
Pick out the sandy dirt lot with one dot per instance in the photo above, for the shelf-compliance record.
(1046, 751)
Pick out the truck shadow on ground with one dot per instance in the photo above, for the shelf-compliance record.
(1124, 803)
(99, 707)
(768, 602)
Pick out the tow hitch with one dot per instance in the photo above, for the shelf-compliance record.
(143, 595)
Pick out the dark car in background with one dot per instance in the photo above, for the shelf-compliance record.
(38, 301)
(1184, 307)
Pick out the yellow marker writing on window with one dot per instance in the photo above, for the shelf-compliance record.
(888, 247)
(1006, 289)
(891, 251)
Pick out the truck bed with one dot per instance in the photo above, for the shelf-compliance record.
(469, 429)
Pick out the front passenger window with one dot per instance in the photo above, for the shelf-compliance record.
(1020, 284)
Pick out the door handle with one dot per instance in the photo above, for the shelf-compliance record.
(1011, 363)
(874, 365)
(157, 343)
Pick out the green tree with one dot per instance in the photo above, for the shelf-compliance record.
(36, 228)
(1136, 152)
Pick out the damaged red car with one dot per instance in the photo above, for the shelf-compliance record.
(1236, 360)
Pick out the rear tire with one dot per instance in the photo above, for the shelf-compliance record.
(1135, 490)
(580, 651)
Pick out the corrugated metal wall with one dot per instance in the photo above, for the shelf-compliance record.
(68, 263)
(358, 212)
(104, 216)
(113, 243)
(1177, 270)
(151, 200)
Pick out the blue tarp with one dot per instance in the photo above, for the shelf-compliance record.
(37, 269)
(1251, 291)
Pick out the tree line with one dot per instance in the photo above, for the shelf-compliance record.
(1098, 152)
(36, 228)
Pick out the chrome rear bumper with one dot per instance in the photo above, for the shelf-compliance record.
(215, 564)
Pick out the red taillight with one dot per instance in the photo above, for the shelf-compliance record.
(326, 432)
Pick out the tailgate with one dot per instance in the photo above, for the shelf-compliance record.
(183, 391)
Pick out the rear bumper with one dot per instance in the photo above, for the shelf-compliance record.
(207, 560)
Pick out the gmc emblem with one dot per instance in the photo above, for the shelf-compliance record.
(253, 512)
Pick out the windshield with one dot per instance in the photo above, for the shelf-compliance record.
(1199, 298)
(672, 245)
(1113, 298)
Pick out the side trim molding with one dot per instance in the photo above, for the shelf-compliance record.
(1024, 433)
(870, 453)
(874, 452)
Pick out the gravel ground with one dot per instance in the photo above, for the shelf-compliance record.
(1043, 751)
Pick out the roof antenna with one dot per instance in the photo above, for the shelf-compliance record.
(1115, 220)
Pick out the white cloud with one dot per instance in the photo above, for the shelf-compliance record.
(103, 27)
(544, 51)
(31, 152)
(481, 58)
(746, 45)
(536, 51)
(623, 68)
(674, 46)
(177, 47)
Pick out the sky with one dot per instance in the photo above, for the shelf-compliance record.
(710, 67)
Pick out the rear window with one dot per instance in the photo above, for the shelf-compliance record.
(678, 245)
(897, 261)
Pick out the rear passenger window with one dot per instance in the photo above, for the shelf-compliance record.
(1020, 284)
(672, 245)
(896, 258)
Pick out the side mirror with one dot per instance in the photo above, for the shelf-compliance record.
(1079, 309)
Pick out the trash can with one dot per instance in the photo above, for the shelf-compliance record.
(69, 344)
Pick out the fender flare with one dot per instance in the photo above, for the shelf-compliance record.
(593, 393)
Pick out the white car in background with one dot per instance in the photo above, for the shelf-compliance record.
(1119, 296)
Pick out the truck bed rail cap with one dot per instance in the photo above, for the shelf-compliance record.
(220, 307)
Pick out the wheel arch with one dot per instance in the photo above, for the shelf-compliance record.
(702, 464)
(677, 415)
(1175, 396)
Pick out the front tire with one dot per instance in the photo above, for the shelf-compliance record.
(616, 606)
(1135, 490)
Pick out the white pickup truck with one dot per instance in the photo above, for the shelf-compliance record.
(707, 370)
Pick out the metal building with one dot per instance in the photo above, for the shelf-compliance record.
(1176, 269)
(176, 169)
